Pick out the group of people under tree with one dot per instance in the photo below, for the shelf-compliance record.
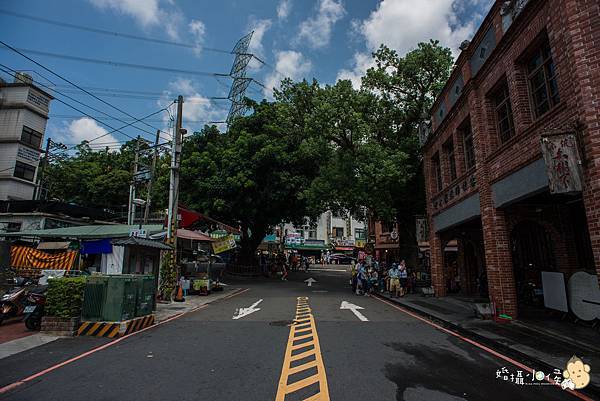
(281, 263)
(376, 276)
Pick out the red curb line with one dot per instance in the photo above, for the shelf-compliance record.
(479, 345)
(109, 344)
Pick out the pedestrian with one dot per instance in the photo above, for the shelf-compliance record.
(394, 280)
(354, 278)
(364, 279)
(403, 275)
(284, 272)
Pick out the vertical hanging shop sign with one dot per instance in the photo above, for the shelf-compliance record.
(563, 163)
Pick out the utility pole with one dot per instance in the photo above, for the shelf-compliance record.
(168, 274)
(131, 206)
(37, 194)
(174, 176)
(153, 173)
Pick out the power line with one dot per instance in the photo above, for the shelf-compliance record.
(112, 33)
(116, 63)
(68, 81)
(100, 122)
(73, 117)
(82, 103)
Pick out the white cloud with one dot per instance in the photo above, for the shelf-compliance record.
(361, 63)
(198, 31)
(419, 22)
(289, 64)
(260, 27)
(86, 129)
(196, 107)
(317, 30)
(147, 13)
(283, 9)
(402, 24)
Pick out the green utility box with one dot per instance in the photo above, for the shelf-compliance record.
(145, 298)
(121, 298)
(94, 296)
(117, 297)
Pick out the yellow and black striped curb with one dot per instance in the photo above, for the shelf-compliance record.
(303, 372)
(114, 329)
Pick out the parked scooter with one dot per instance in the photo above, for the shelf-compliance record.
(12, 304)
(33, 312)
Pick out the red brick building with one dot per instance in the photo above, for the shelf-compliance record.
(528, 80)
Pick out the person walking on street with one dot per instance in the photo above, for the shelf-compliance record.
(403, 275)
(394, 280)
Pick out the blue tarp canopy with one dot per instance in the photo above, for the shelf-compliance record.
(96, 246)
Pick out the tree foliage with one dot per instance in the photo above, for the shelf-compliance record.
(311, 149)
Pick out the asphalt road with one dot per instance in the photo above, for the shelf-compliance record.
(208, 355)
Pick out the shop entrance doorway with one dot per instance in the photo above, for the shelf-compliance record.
(532, 253)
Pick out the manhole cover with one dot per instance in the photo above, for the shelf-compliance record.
(281, 323)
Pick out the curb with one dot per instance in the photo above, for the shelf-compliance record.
(115, 329)
(591, 391)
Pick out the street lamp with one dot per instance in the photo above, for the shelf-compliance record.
(141, 203)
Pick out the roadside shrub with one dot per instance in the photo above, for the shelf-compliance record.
(65, 296)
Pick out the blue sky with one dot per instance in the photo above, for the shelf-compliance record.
(324, 39)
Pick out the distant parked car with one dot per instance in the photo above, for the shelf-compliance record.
(342, 259)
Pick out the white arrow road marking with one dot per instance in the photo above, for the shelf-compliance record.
(310, 281)
(354, 309)
(241, 312)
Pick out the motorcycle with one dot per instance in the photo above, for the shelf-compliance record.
(33, 312)
(12, 304)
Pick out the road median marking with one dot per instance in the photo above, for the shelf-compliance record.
(303, 343)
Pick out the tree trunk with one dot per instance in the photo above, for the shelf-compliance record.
(249, 244)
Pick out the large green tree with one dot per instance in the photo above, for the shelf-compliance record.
(376, 160)
(254, 175)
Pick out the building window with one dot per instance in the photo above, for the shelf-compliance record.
(387, 226)
(12, 227)
(24, 171)
(504, 116)
(541, 73)
(469, 148)
(437, 171)
(31, 137)
(360, 234)
(338, 232)
(449, 152)
(312, 234)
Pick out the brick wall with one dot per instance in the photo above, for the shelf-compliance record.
(572, 29)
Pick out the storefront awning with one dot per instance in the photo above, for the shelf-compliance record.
(22, 257)
(344, 248)
(53, 245)
(148, 243)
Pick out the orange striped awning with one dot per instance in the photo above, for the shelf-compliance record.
(23, 257)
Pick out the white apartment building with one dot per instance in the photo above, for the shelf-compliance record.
(23, 115)
(335, 230)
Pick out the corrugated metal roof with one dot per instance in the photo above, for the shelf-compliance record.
(142, 242)
(87, 232)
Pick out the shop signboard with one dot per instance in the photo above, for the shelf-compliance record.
(294, 239)
(422, 229)
(223, 245)
(563, 163)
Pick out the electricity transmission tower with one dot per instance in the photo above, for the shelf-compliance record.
(240, 81)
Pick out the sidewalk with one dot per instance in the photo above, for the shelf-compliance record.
(541, 342)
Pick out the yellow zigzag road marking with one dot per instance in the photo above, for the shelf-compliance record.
(304, 327)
